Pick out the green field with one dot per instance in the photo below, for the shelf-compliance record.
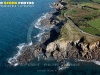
(72, 12)
(98, 1)
(81, 1)
(95, 27)
(91, 31)
(95, 23)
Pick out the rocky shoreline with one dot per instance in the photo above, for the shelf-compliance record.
(59, 50)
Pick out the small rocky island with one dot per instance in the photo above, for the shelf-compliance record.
(63, 40)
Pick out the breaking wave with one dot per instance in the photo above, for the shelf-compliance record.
(39, 36)
(94, 61)
(38, 25)
(13, 60)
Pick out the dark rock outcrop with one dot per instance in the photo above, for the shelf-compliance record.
(59, 5)
(50, 21)
(74, 50)
(29, 54)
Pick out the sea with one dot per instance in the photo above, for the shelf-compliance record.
(20, 27)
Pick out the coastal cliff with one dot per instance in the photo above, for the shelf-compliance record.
(63, 40)
(71, 49)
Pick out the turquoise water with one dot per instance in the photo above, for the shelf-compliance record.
(16, 24)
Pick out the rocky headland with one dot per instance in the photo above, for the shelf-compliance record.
(61, 49)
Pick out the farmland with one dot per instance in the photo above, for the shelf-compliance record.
(98, 1)
(81, 1)
(86, 16)
(95, 23)
(91, 31)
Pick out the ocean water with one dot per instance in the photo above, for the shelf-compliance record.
(20, 27)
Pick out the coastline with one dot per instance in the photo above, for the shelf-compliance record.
(49, 47)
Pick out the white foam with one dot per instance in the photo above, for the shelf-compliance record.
(39, 36)
(41, 27)
(64, 66)
(82, 60)
(38, 23)
(16, 64)
(20, 46)
(30, 44)
(13, 60)
(94, 61)
(50, 5)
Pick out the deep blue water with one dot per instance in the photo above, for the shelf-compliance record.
(15, 25)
